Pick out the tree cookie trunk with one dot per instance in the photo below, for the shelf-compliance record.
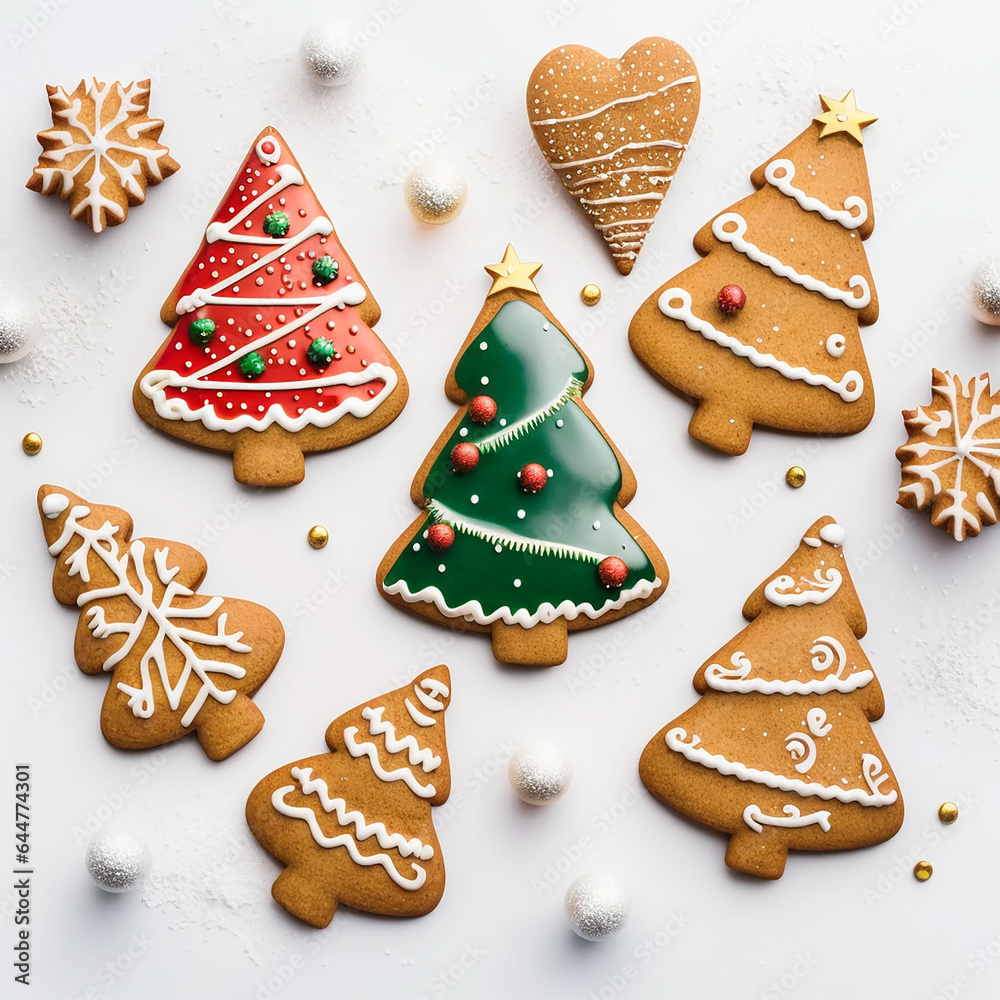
(756, 854)
(542, 645)
(268, 458)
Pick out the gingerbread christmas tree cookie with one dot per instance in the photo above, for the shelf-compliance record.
(779, 752)
(354, 825)
(102, 151)
(764, 329)
(180, 661)
(951, 462)
(271, 354)
(522, 533)
(615, 132)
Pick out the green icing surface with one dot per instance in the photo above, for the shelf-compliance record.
(528, 363)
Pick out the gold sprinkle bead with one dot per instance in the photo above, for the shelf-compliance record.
(31, 444)
(923, 870)
(795, 476)
(948, 812)
(591, 295)
(318, 536)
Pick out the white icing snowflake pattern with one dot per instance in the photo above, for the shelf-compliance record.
(951, 462)
(102, 151)
(154, 601)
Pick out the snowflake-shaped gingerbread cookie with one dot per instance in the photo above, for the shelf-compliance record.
(102, 151)
(951, 463)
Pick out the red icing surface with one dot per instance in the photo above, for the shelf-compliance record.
(287, 278)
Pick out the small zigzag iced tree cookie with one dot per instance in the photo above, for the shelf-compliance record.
(271, 355)
(764, 329)
(779, 752)
(354, 825)
(180, 662)
(951, 462)
(523, 533)
(102, 151)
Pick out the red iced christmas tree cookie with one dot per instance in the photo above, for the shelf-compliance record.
(180, 662)
(764, 330)
(530, 490)
(779, 752)
(354, 825)
(272, 353)
(951, 462)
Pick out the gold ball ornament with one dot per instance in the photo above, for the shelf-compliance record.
(923, 870)
(435, 192)
(31, 444)
(318, 536)
(795, 476)
(948, 812)
(590, 295)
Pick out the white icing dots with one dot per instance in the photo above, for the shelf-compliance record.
(832, 533)
(54, 504)
(835, 345)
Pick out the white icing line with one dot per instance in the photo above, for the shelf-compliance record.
(495, 534)
(757, 820)
(493, 442)
(404, 774)
(473, 611)
(363, 829)
(784, 592)
(415, 753)
(849, 387)
(845, 216)
(616, 102)
(719, 679)
(622, 199)
(652, 144)
(418, 717)
(676, 740)
(807, 281)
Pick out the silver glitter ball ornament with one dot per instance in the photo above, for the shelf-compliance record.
(435, 192)
(330, 55)
(597, 906)
(985, 292)
(539, 774)
(118, 861)
(19, 329)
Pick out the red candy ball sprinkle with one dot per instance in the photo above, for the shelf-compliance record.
(464, 457)
(483, 409)
(732, 298)
(267, 147)
(612, 571)
(440, 537)
(533, 477)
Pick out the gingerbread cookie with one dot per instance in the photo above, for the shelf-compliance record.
(522, 533)
(180, 662)
(615, 131)
(951, 462)
(779, 752)
(764, 330)
(271, 353)
(102, 151)
(354, 826)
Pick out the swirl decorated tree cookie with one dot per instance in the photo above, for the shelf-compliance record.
(271, 354)
(522, 532)
(764, 330)
(180, 662)
(354, 825)
(779, 752)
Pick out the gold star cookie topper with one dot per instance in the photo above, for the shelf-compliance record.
(511, 272)
(843, 116)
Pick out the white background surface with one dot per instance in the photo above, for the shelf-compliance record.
(452, 75)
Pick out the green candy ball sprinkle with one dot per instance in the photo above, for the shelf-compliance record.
(276, 224)
(252, 365)
(201, 332)
(325, 270)
(321, 352)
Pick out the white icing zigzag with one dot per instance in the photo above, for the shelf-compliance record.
(757, 820)
(783, 183)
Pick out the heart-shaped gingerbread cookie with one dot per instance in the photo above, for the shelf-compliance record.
(615, 131)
